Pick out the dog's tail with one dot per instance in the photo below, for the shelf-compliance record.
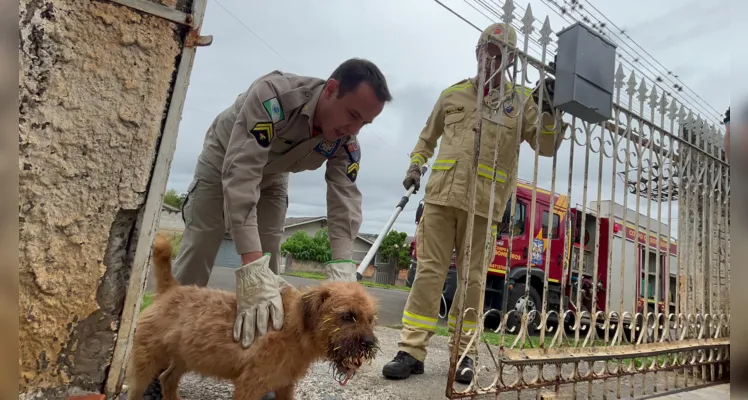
(162, 252)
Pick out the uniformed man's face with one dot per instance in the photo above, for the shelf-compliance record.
(346, 115)
(494, 53)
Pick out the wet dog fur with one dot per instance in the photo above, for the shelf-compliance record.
(190, 329)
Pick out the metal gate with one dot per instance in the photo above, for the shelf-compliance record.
(654, 171)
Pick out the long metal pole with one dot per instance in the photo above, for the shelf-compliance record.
(378, 242)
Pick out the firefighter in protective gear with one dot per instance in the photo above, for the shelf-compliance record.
(283, 123)
(445, 213)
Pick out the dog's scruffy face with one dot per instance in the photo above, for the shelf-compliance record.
(342, 317)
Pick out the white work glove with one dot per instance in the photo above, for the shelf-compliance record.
(257, 298)
(341, 270)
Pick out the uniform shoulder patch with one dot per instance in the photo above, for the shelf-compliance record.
(352, 171)
(263, 133)
(327, 148)
(461, 85)
(274, 110)
(354, 150)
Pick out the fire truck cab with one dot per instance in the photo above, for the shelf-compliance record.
(525, 238)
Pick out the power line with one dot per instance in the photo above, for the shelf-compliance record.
(628, 50)
(254, 34)
(650, 56)
(281, 56)
(575, 5)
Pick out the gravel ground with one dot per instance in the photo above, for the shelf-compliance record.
(369, 383)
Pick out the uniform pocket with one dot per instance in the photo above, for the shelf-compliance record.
(440, 181)
(187, 204)
(453, 125)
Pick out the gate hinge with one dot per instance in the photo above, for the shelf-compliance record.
(178, 17)
(195, 40)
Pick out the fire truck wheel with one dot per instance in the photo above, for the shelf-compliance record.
(516, 303)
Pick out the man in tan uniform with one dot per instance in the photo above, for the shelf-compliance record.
(283, 123)
(445, 216)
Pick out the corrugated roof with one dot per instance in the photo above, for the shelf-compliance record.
(292, 221)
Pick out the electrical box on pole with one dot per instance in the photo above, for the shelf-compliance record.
(585, 68)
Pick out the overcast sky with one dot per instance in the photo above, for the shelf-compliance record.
(422, 49)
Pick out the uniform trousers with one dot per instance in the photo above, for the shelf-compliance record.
(204, 226)
(442, 229)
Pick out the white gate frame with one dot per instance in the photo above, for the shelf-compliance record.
(159, 177)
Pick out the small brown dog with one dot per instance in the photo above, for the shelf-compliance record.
(189, 329)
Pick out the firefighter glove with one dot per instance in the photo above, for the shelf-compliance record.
(258, 299)
(341, 270)
(413, 177)
(548, 92)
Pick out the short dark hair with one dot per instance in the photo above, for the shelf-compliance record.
(355, 71)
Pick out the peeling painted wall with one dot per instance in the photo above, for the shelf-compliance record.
(94, 81)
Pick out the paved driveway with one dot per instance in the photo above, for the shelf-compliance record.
(391, 302)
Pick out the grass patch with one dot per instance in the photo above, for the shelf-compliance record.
(494, 339)
(321, 276)
(146, 301)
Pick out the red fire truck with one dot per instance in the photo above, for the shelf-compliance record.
(630, 249)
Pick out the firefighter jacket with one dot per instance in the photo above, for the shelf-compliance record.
(268, 132)
(452, 119)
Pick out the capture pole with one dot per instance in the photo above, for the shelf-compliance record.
(373, 250)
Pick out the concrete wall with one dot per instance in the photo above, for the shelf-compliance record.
(294, 265)
(170, 220)
(310, 228)
(94, 81)
(360, 248)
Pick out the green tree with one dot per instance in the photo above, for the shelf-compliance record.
(394, 245)
(308, 248)
(173, 199)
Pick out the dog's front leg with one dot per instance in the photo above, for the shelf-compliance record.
(170, 381)
(285, 393)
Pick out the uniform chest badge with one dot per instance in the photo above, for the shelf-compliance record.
(508, 107)
(327, 148)
(354, 151)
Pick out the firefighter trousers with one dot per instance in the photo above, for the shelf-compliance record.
(441, 230)
(204, 226)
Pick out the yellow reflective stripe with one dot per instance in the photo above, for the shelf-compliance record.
(419, 321)
(418, 325)
(419, 317)
(487, 172)
(494, 230)
(547, 131)
(459, 86)
(465, 323)
(417, 159)
(443, 164)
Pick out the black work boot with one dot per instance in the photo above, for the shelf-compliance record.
(464, 373)
(402, 366)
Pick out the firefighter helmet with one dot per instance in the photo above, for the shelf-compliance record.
(498, 33)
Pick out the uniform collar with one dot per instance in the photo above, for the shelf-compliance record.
(475, 83)
(311, 106)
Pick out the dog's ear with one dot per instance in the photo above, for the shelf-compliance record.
(311, 305)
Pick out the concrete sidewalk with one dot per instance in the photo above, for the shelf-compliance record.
(718, 392)
(369, 383)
